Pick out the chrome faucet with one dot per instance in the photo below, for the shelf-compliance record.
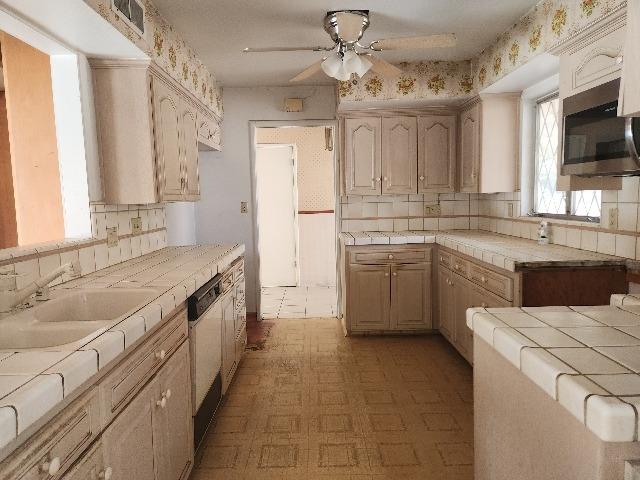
(11, 299)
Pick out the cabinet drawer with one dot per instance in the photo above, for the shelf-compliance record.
(460, 266)
(90, 466)
(492, 281)
(391, 256)
(60, 442)
(238, 272)
(444, 259)
(125, 381)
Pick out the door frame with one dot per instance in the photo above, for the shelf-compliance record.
(333, 124)
(296, 246)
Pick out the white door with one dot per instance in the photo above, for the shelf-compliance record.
(277, 210)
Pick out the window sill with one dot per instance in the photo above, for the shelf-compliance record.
(562, 220)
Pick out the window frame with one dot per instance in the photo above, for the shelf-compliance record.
(569, 197)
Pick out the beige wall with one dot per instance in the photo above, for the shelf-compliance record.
(315, 164)
(33, 142)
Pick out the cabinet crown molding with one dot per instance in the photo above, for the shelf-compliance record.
(612, 21)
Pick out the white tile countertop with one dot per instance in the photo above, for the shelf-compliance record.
(34, 382)
(510, 253)
(586, 358)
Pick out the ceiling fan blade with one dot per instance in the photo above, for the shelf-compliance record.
(286, 49)
(308, 72)
(383, 67)
(428, 41)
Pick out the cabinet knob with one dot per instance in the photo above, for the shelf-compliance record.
(386, 179)
(484, 305)
(619, 60)
(421, 178)
(161, 354)
(377, 179)
(51, 467)
(162, 403)
(390, 257)
(483, 279)
(386, 274)
(106, 474)
(395, 274)
(168, 393)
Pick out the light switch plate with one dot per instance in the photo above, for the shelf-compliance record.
(112, 237)
(433, 209)
(243, 207)
(136, 226)
(613, 218)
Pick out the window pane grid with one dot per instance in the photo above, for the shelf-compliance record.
(547, 200)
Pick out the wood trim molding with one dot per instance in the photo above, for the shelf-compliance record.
(314, 212)
(396, 112)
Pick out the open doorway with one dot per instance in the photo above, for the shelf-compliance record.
(296, 221)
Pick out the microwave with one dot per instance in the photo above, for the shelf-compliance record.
(596, 141)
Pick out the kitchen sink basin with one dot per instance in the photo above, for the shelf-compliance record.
(71, 318)
(93, 305)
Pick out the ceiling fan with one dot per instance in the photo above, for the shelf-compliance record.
(349, 56)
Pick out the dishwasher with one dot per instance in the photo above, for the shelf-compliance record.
(205, 341)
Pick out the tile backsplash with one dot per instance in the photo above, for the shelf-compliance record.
(499, 213)
(21, 265)
(389, 213)
(622, 241)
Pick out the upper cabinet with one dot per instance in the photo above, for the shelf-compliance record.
(629, 105)
(490, 144)
(436, 154)
(399, 155)
(363, 165)
(150, 131)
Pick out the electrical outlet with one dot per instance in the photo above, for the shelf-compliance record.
(244, 207)
(509, 209)
(433, 210)
(136, 226)
(112, 237)
(613, 218)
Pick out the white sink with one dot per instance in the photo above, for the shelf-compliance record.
(72, 318)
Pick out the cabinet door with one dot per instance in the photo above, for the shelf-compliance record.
(228, 339)
(188, 118)
(362, 156)
(369, 297)
(629, 105)
(399, 155)
(445, 303)
(166, 122)
(411, 296)
(436, 154)
(463, 336)
(172, 426)
(128, 441)
(469, 149)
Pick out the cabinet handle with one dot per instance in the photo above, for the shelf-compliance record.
(620, 59)
(161, 354)
(377, 179)
(162, 403)
(390, 257)
(422, 178)
(106, 474)
(51, 467)
(168, 393)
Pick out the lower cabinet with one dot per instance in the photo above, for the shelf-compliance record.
(228, 340)
(234, 322)
(152, 439)
(456, 294)
(388, 290)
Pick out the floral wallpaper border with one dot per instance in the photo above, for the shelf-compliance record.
(545, 25)
(165, 46)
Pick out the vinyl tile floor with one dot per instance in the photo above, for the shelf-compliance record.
(314, 404)
(298, 302)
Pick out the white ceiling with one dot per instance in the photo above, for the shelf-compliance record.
(218, 30)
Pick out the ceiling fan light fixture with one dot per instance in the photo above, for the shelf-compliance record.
(331, 65)
(365, 65)
(343, 74)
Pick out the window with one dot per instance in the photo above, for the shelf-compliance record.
(584, 204)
